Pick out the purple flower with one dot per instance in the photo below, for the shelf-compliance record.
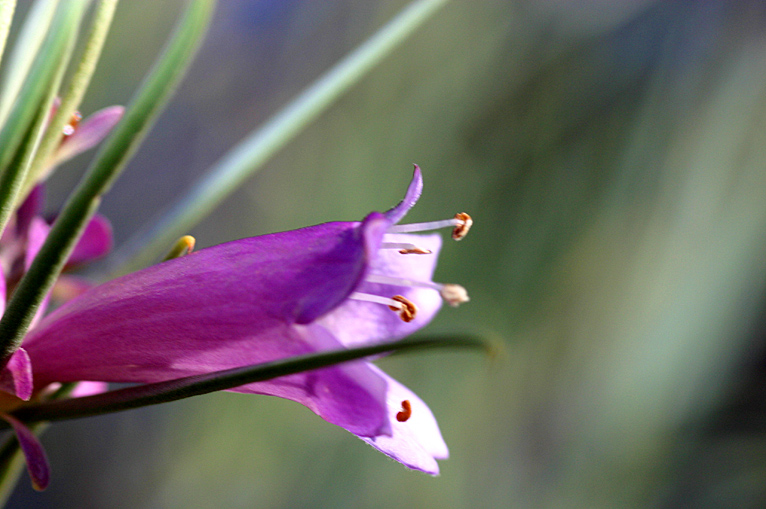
(19, 244)
(264, 298)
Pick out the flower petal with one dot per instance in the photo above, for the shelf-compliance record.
(16, 375)
(31, 207)
(95, 242)
(88, 134)
(34, 454)
(89, 389)
(356, 322)
(410, 198)
(36, 235)
(416, 442)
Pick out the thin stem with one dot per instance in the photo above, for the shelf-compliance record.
(173, 390)
(105, 168)
(72, 98)
(249, 156)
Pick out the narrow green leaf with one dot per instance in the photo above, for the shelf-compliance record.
(71, 99)
(33, 32)
(173, 390)
(7, 7)
(20, 136)
(253, 152)
(111, 159)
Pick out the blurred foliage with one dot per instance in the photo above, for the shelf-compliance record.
(611, 154)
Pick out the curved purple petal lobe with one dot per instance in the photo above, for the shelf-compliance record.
(414, 191)
(34, 454)
(16, 376)
(88, 134)
(416, 441)
(95, 242)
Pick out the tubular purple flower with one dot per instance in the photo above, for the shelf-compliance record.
(265, 298)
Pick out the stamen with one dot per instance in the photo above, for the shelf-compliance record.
(422, 227)
(403, 307)
(453, 294)
(406, 311)
(461, 229)
(405, 248)
(406, 412)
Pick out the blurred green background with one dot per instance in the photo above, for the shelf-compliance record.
(612, 155)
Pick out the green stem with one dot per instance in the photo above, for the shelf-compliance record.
(173, 390)
(7, 7)
(105, 168)
(72, 98)
(245, 159)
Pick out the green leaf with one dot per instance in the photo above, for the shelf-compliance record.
(20, 136)
(72, 98)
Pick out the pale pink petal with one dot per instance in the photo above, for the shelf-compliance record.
(416, 442)
(88, 134)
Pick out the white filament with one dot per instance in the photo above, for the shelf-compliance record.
(367, 297)
(422, 227)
